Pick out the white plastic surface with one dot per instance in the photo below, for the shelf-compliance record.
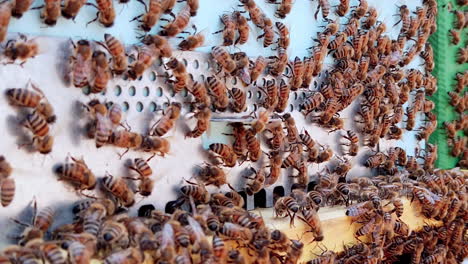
(34, 172)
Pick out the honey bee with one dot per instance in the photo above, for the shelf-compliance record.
(239, 145)
(258, 68)
(114, 234)
(361, 10)
(298, 74)
(225, 152)
(268, 33)
(255, 182)
(343, 8)
(36, 124)
(19, 7)
(457, 145)
(5, 15)
(283, 96)
(26, 98)
(151, 15)
(78, 253)
(211, 174)
(286, 205)
(145, 58)
(310, 217)
(236, 232)
(102, 75)
(7, 191)
(51, 12)
(196, 191)
(411, 121)
(375, 160)
(80, 68)
(353, 142)
(5, 168)
(199, 91)
(290, 124)
(41, 222)
(71, 8)
(223, 58)
(235, 257)
(21, 50)
(125, 139)
(117, 51)
(193, 5)
(280, 63)
(180, 73)
(53, 253)
(178, 24)
(312, 103)
(142, 167)
(229, 31)
(256, 15)
(167, 121)
(119, 189)
(325, 6)
(154, 144)
(105, 14)
(77, 173)
(219, 90)
(455, 35)
(203, 116)
(130, 256)
(371, 18)
(253, 146)
(192, 42)
(239, 104)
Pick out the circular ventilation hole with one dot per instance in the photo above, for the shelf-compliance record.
(172, 92)
(191, 76)
(234, 80)
(139, 107)
(125, 77)
(184, 61)
(132, 91)
(152, 76)
(146, 91)
(304, 95)
(117, 90)
(125, 106)
(152, 107)
(159, 92)
(249, 94)
(207, 65)
(131, 59)
(287, 71)
(196, 64)
(259, 95)
(255, 107)
(86, 90)
(184, 92)
(165, 105)
(295, 95)
(159, 62)
(291, 108)
(103, 92)
(140, 78)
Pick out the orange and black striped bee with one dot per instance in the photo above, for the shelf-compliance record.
(119, 189)
(77, 173)
(226, 153)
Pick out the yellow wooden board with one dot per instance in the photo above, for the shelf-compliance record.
(337, 228)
